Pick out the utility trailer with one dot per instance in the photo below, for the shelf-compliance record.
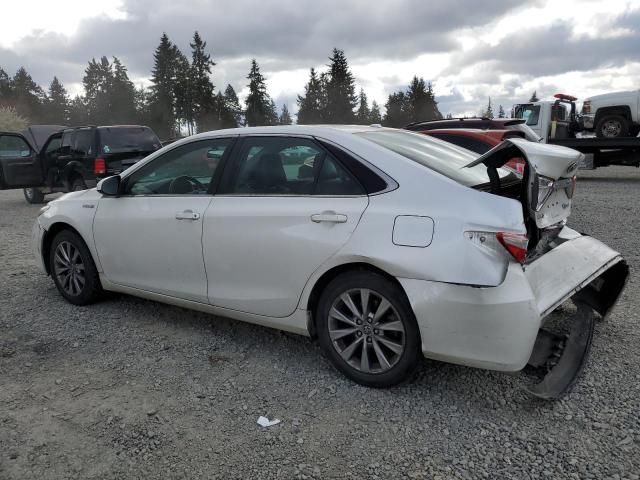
(557, 123)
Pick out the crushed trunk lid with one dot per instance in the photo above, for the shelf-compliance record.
(550, 180)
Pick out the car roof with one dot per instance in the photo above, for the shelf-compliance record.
(291, 130)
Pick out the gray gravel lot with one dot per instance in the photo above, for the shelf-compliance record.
(129, 388)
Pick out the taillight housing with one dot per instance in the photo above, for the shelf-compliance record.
(515, 243)
(99, 166)
(501, 243)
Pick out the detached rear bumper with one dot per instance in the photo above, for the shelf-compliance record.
(496, 327)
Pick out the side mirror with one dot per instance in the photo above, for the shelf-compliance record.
(109, 186)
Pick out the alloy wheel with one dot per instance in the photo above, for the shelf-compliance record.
(611, 128)
(366, 331)
(69, 268)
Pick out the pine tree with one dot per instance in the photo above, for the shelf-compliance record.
(489, 111)
(27, 96)
(163, 89)
(310, 105)
(78, 112)
(204, 105)
(141, 103)
(97, 83)
(534, 97)
(122, 95)
(260, 108)
(397, 110)
(285, 117)
(375, 116)
(363, 115)
(418, 100)
(501, 113)
(57, 106)
(5, 87)
(341, 96)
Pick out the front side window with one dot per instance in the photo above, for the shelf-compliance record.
(185, 170)
(14, 146)
(290, 166)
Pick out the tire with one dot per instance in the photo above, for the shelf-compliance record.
(33, 195)
(396, 341)
(82, 285)
(612, 126)
(77, 184)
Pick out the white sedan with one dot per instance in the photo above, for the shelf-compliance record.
(383, 244)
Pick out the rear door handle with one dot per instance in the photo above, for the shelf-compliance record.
(331, 217)
(187, 215)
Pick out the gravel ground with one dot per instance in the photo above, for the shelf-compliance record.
(129, 388)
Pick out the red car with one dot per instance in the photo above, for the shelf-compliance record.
(479, 141)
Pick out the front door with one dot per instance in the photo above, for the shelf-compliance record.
(286, 208)
(20, 165)
(150, 238)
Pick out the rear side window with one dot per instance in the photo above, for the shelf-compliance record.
(445, 158)
(128, 139)
(83, 142)
(290, 166)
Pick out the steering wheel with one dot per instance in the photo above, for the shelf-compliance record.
(186, 184)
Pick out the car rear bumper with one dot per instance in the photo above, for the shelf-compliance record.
(496, 327)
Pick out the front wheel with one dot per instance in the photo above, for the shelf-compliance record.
(33, 195)
(368, 330)
(73, 270)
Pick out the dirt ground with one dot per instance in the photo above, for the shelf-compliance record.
(128, 388)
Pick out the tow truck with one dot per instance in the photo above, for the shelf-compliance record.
(557, 122)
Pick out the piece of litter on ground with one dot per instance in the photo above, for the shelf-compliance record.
(265, 422)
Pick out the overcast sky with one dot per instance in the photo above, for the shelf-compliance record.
(469, 49)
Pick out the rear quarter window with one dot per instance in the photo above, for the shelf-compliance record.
(438, 155)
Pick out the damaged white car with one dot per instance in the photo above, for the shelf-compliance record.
(383, 244)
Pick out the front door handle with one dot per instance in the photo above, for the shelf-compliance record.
(187, 215)
(331, 217)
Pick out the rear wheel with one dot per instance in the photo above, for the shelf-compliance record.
(73, 269)
(33, 195)
(612, 126)
(368, 330)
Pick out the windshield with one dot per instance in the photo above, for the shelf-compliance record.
(128, 139)
(438, 155)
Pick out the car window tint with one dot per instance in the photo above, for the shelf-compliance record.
(13, 146)
(83, 142)
(184, 170)
(290, 166)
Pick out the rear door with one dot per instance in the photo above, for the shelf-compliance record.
(20, 165)
(286, 207)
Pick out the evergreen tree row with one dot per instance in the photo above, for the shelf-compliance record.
(182, 97)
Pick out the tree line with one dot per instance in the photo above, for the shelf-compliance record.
(182, 98)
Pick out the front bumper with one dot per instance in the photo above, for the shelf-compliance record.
(496, 327)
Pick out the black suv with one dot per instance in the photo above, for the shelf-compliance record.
(49, 158)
